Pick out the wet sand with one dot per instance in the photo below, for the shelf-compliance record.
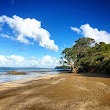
(57, 92)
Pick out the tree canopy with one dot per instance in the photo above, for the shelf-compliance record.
(89, 56)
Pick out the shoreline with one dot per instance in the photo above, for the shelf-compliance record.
(30, 74)
(18, 83)
(57, 92)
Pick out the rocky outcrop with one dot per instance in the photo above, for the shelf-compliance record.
(16, 73)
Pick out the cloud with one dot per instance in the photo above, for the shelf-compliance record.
(12, 2)
(7, 36)
(75, 29)
(20, 61)
(49, 61)
(98, 35)
(25, 29)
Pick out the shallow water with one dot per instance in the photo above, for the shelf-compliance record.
(31, 73)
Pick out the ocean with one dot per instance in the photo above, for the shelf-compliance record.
(31, 73)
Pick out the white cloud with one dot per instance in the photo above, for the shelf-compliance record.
(75, 29)
(7, 36)
(97, 35)
(20, 61)
(24, 29)
(49, 61)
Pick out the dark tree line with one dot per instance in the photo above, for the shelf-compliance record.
(89, 56)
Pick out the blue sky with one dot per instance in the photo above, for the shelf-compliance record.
(60, 18)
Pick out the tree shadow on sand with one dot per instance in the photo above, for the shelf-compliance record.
(94, 75)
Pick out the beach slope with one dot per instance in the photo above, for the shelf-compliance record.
(57, 92)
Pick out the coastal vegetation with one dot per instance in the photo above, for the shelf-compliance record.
(88, 56)
(62, 67)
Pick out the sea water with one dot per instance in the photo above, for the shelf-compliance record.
(31, 73)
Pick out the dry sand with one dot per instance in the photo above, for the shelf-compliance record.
(57, 92)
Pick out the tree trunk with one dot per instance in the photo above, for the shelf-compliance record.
(72, 68)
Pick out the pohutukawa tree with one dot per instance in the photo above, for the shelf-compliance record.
(88, 56)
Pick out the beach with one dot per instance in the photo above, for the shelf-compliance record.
(64, 91)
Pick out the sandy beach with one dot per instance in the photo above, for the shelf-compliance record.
(57, 92)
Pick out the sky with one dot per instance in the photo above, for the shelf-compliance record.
(33, 33)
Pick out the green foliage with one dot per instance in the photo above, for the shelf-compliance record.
(62, 67)
(89, 56)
